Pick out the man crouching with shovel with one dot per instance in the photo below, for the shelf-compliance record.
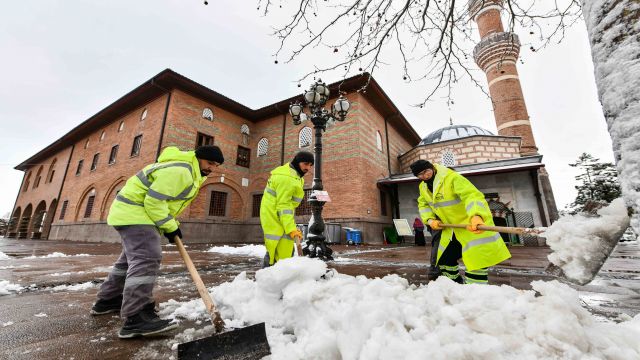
(145, 208)
(282, 195)
(451, 198)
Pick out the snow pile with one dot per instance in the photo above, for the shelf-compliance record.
(4, 256)
(314, 314)
(247, 250)
(76, 287)
(582, 243)
(7, 288)
(614, 33)
(54, 255)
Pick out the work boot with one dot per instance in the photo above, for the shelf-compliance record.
(102, 306)
(145, 323)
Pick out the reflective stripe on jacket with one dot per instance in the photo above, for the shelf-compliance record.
(157, 194)
(454, 201)
(282, 195)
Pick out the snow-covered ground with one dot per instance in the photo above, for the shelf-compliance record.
(248, 250)
(313, 313)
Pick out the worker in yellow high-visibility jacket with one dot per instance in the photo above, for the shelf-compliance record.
(282, 195)
(145, 209)
(448, 197)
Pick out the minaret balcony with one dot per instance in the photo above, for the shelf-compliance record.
(496, 48)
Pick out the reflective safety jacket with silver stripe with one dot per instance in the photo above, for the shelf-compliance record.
(454, 201)
(159, 192)
(282, 195)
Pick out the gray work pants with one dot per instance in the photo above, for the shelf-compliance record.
(135, 272)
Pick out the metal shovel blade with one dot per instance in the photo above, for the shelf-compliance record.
(245, 343)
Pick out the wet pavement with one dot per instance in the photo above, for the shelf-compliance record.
(45, 322)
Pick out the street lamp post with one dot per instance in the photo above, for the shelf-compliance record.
(315, 99)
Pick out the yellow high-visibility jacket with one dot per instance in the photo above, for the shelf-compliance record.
(159, 192)
(454, 201)
(282, 195)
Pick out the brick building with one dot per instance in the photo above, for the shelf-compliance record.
(68, 186)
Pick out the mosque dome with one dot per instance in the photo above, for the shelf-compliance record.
(453, 132)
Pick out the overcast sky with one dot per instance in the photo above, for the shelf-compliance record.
(63, 61)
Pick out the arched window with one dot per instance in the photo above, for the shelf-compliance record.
(102, 135)
(143, 115)
(52, 170)
(378, 141)
(263, 147)
(86, 144)
(244, 130)
(121, 127)
(36, 182)
(448, 158)
(207, 114)
(304, 137)
(26, 182)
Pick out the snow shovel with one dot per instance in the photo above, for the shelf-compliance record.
(589, 269)
(245, 343)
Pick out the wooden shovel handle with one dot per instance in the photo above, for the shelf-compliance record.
(298, 246)
(502, 229)
(216, 319)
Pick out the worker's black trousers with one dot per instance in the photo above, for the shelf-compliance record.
(448, 265)
(135, 272)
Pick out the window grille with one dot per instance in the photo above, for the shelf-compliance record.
(94, 163)
(244, 129)
(63, 210)
(244, 157)
(305, 207)
(36, 183)
(113, 154)
(255, 206)
(207, 114)
(203, 139)
(121, 127)
(86, 144)
(89, 208)
(218, 203)
(79, 168)
(448, 158)
(263, 147)
(378, 141)
(143, 115)
(137, 144)
(304, 137)
(102, 135)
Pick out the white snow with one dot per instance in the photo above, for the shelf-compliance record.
(7, 288)
(314, 314)
(55, 255)
(8, 323)
(4, 256)
(247, 250)
(76, 287)
(614, 33)
(41, 315)
(580, 243)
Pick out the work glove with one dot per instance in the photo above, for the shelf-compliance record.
(171, 236)
(473, 225)
(435, 224)
(295, 234)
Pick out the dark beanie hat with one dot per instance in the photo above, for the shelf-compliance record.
(210, 152)
(303, 156)
(419, 166)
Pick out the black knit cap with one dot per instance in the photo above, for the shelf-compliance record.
(419, 166)
(210, 152)
(303, 156)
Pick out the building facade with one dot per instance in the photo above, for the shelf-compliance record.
(68, 187)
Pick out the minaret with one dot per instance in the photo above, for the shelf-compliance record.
(496, 54)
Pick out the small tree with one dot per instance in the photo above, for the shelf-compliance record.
(598, 181)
